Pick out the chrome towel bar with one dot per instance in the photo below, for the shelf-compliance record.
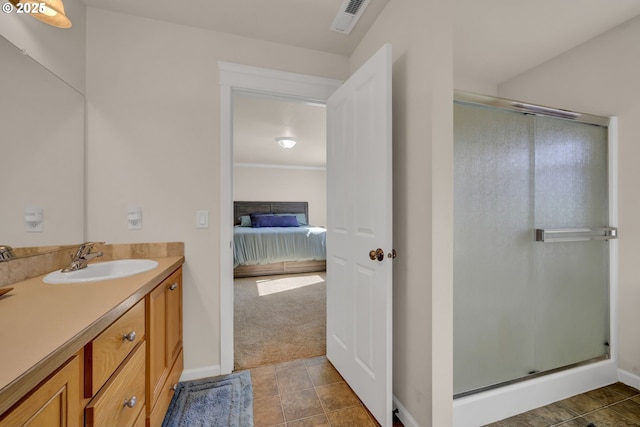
(551, 235)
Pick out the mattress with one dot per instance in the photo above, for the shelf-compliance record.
(268, 245)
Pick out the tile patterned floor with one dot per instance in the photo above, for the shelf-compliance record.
(311, 393)
(305, 393)
(616, 405)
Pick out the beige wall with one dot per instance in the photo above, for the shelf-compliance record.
(601, 77)
(251, 183)
(153, 132)
(421, 35)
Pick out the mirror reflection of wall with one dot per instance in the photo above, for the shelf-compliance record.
(42, 125)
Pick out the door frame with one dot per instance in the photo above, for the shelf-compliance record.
(243, 78)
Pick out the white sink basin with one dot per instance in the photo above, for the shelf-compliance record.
(102, 271)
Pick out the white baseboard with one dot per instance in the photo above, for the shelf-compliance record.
(629, 379)
(204, 372)
(404, 415)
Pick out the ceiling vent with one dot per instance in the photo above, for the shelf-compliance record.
(349, 13)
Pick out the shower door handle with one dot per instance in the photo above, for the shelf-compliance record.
(551, 235)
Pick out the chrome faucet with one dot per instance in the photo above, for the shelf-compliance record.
(82, 257)
(6, 253)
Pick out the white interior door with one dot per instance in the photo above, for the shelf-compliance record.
(359, 190)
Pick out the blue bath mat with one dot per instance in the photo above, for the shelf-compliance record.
(224, 401)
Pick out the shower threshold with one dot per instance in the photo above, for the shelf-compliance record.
(530, 376)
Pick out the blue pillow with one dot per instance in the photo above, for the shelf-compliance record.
(258, 221)
(302, 218)
(245, 220)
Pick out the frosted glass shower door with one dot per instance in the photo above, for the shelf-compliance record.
(571, 278)
(524, 307)
(493, 252)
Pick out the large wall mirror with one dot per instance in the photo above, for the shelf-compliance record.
(42, 133)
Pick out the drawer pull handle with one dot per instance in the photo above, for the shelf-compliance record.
(174, 387)
(173, 287)
(131, 336)
(130, 403)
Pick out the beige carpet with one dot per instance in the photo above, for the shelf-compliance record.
(279, 318)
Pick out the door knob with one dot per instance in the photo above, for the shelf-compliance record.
(376, 254)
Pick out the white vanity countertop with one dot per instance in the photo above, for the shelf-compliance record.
(43, 325)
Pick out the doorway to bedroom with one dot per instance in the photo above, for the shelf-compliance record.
(279, 308)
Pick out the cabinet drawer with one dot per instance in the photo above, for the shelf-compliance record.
(105, 353)
(120, 401)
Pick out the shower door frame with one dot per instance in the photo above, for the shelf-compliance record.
(520, 396)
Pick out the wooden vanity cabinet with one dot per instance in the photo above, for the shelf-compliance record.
(164, 345)
(54, 403)
(123, 377)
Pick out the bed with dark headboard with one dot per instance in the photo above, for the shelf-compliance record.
(276, 260)
(247, 208)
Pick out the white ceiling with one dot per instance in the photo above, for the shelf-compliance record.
(494, 40)
(257, 121)
(303, 23)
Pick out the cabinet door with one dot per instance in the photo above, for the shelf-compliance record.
(156, 332)
(55, 403)
(174, 317)
(166, 394)
(164, 331)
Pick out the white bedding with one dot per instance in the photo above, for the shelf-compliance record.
(268, 245)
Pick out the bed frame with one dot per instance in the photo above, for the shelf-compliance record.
(287, 267)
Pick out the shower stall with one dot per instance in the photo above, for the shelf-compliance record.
(533, 250)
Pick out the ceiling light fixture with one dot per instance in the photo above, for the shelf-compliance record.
(286, 142)
(48, 11)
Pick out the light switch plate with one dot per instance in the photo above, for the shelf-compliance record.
(134, 218)
(33, 218)
(202, 219)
